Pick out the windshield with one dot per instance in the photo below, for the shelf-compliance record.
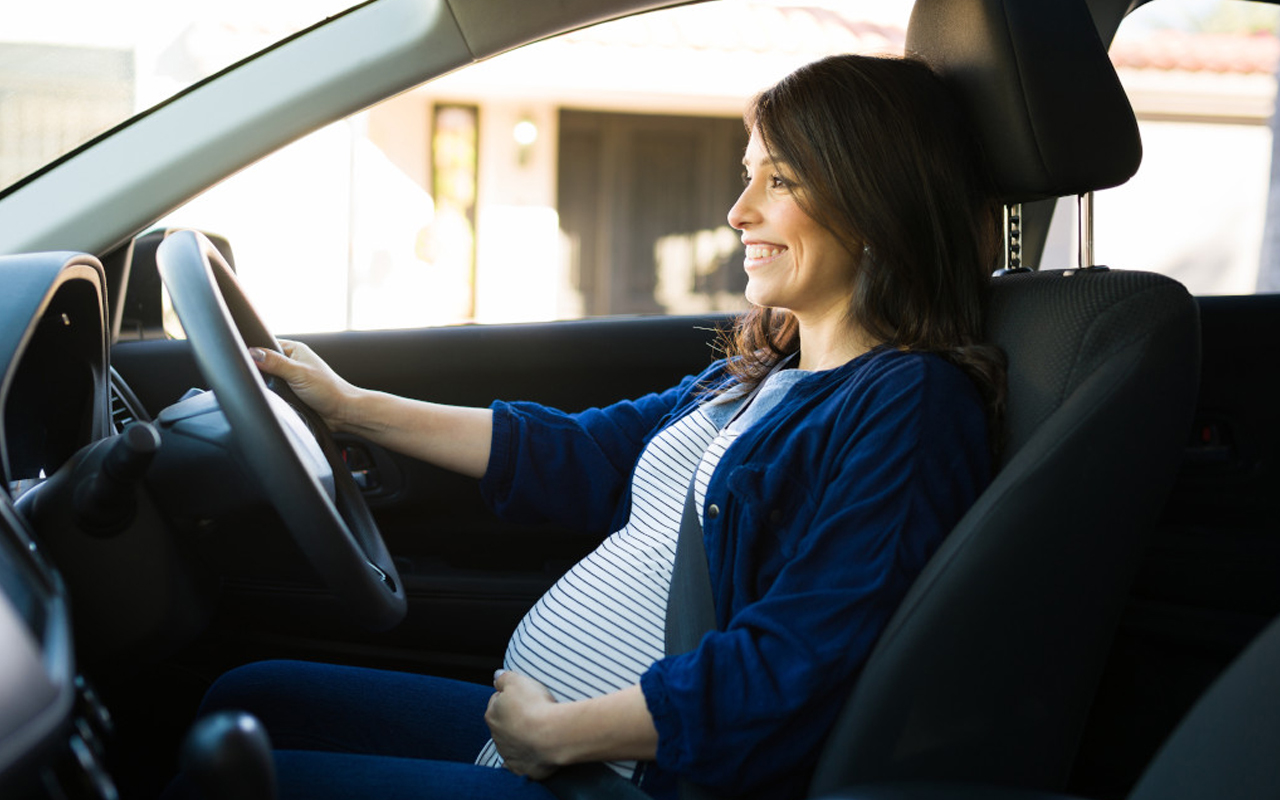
(71, 70)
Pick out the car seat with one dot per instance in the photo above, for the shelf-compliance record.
(1225, 747)
(987, 671)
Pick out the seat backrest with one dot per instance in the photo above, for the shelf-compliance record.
(987, 671)
(1227, 745)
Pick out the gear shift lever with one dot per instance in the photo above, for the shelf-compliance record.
(227, 756)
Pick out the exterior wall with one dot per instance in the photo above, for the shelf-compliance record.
(520, 270)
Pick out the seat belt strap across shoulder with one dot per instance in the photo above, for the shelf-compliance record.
(691, 611)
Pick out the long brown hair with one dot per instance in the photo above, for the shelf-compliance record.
(884, 160)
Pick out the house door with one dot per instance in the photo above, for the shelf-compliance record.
(642, 201)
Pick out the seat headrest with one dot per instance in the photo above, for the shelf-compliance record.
(1039, 88)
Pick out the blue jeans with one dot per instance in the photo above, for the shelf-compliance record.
(348, 733)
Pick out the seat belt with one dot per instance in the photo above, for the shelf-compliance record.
(691, 607)
(690, 603)
(691, 614)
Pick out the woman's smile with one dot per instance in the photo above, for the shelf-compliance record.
(760, 253)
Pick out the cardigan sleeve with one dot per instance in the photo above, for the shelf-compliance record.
(747, 710)
(573, 469)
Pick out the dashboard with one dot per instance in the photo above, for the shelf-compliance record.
(88, 529)
(54, 400)
(38, 686)
(102, 527)
(51, 400)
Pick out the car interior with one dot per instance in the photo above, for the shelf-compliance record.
(1099, 625)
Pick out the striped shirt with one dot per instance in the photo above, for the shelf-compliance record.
(603, 623)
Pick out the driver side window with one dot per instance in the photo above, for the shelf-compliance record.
(586, 175)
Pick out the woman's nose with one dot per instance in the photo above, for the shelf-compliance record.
(742, 213)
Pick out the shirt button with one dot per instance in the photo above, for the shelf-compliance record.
(713, 511)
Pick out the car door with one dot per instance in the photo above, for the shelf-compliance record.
(469, 577)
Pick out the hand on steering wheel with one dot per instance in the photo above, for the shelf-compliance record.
(338, 535)
(310, 379)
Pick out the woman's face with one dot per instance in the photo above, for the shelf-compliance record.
(792, 262)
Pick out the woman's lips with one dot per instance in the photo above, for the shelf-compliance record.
(759, 253)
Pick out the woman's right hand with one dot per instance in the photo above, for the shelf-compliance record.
(453, 437)
(311, 379)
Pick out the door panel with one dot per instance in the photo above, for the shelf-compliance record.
(469, 577)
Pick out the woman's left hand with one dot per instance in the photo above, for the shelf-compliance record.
(518, 720)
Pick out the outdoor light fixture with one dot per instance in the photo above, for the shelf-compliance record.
(525, 134)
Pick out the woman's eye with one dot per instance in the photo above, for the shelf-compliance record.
(775, 181)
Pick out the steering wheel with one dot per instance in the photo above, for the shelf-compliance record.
(337, 534)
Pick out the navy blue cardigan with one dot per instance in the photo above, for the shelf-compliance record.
(826, 509)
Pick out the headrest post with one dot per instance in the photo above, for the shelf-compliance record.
(1012, 240)
(1084, 219)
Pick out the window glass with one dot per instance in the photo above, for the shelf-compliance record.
(73, 69)
(1201, 77)
(587, 175)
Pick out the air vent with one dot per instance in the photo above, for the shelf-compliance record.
(121, 416)
(125, 408)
